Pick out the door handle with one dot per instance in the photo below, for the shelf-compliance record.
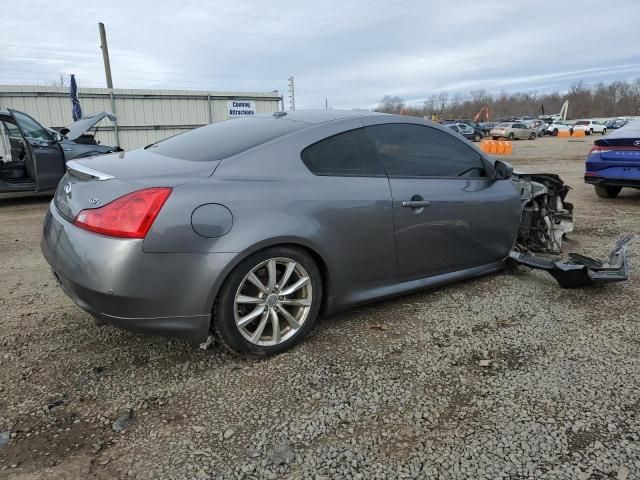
(416, 203)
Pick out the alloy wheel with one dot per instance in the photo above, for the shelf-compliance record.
(273, 301)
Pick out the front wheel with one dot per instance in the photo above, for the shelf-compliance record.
(604, 131)
(532, 136)
(269, 302)
(477, 137)
(607, 192)
(555, 132)
(511, 136)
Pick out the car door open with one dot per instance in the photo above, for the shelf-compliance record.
(45, 161)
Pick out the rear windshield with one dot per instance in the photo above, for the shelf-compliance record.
(224, 139)
(582, 122)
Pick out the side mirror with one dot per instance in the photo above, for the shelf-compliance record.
(503, 170)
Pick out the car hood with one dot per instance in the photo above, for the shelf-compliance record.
(80, 127)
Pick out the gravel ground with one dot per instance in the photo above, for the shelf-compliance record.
(505, 376)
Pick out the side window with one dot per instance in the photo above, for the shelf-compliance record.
(408, 150)
(346, 154)
(30, 127)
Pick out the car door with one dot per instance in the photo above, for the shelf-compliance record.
(449, 214)
(45, 162)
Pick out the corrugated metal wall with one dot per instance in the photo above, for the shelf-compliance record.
(144, 116)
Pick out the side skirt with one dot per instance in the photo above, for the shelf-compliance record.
(339, 303)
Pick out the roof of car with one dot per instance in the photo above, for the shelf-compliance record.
(322, 116)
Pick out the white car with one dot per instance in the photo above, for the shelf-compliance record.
(559, 126)
(590, 126)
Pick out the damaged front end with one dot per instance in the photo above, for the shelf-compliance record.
(546, 218)
(581, 271)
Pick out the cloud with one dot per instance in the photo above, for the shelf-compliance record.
(351, 52)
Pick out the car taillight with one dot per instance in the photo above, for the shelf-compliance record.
(608, 148)
(129, 216)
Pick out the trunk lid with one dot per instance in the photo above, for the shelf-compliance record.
(93, 182)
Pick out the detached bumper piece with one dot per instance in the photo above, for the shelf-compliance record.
(581, 271)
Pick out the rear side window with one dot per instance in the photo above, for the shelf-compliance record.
(224, 139)
(419, 151)
(346, 154)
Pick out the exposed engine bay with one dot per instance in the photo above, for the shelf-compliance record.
(546, 218)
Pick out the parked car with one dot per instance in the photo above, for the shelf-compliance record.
(614, 161)
(251, 228)
(32, 157)
(486, 127)
(614, 124)
(537, 125)
(512, 131)
(589, 127)
(467, 131)
(471, 123)
(559, 126)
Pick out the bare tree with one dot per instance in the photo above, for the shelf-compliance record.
(618, 98)
(61, 81)
(390, 104)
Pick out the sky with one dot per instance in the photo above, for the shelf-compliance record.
(350, 52)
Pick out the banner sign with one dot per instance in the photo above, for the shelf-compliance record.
(240, 108)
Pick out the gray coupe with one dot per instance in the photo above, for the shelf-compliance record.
(253, 227)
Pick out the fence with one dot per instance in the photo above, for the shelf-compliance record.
(144, 116)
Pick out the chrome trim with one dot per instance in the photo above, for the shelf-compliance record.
(83, 171)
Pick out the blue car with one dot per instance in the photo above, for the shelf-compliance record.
(614, 161)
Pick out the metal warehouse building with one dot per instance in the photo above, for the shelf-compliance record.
(144, 116)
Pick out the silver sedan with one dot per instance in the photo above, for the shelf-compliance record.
(512, 131)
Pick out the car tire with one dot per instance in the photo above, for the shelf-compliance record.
(607, 192)
(511, 136)
(555, 132)
(258, 337)
(477, 137)
(495, 138)
(588, 132)
(532, 136)
(604, 131)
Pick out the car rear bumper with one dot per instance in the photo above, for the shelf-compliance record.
(613, 182)
(167, 294)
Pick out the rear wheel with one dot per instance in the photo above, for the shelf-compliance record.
(268, 303)
(607, 192)
(604, 131)
(532, 136)
(555, 132)
(511, 136)
(477, 137)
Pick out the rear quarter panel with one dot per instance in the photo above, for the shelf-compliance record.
(274, 199)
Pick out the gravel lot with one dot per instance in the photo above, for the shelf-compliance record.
(392, 390)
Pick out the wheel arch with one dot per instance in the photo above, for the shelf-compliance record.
(313, 250)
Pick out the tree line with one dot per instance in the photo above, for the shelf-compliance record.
(615, 99)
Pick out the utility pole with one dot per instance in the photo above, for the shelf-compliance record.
(107, 72)
(292, 94)
(105, 54)
(326, 104)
